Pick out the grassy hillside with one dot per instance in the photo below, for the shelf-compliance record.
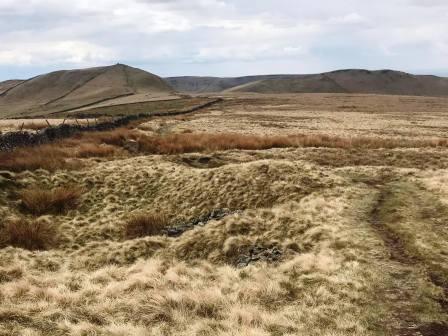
(310, 214)
(9, 84)
(66, 90)
(342, 81)
(193, 84)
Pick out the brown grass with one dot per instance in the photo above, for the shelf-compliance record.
(30, 235)
(188, 142)
(105, 144)
(94, 150)
(54, 156)
(50, 157)
(116, 137)
(39, 201)
(145, 224)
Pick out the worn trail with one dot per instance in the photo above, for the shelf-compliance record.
(390, 207)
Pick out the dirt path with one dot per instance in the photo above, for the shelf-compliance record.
(404, 263)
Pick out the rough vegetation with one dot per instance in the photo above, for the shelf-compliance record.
(145, 224)
(279, 216)
(30, 235)
(39, 201)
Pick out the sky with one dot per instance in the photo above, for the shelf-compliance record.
(223, 37)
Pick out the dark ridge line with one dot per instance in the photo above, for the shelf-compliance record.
(89, 104)
(337, 84)
(128, 80)
(77, 87)
(43, 116)
(122, 104)
(22, 82)
(155, 114)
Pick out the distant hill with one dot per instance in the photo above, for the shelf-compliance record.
(341, 81)
(213, 84)
(71, 89)
(9, 84)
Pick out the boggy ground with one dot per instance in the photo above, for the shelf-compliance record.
(336, 235)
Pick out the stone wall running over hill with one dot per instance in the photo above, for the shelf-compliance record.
(11, 140)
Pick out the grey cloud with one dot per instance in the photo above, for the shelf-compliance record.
(222, 37)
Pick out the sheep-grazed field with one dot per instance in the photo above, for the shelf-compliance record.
(313, 214)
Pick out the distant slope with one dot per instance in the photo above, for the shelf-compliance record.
(70, 89)
(341, 81)
(303, 84)
(9, 84)
(213, 84)
(390, 82)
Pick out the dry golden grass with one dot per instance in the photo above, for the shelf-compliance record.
(144, 127)
(106, 144)
(28, 234)
(36, 126)
(39, 201)
(145, 224)
(189, 142)
(336, 193)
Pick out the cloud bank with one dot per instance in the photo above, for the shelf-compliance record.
(223, 37)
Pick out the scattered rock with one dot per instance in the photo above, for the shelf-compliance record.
(7, 179)
(131, 146)
(264, 169)
(179, 229)
(434, 329)
(203, 162)
(259, 253)
(7, 175)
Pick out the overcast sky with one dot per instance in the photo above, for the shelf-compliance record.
(223, 37)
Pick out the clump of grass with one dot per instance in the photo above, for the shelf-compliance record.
(116, 137)
(28, 234)
(57, 155)
(94, 150)
(50, 157)
(39, 201)
(145, 224)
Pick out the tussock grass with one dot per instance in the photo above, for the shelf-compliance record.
(39, 201)
(28, 234)
(115, 137)
(94, 150)
(194, 142)
(57, 155)
(335, 229)
(49, 157)
(108, 143)
(145, 224)
(185, 286)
